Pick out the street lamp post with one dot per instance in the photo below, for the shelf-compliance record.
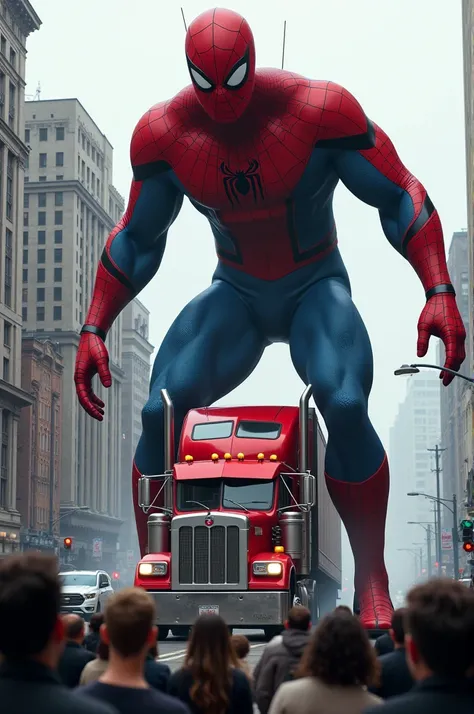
(454, 511)
(416, 554)
(408, 369)
(427, 528)
(68, 513)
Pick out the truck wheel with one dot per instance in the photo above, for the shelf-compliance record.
(271, 632)
(180, 631)
(163, 633)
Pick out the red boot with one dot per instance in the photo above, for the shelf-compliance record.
(140, 517)
(363, 509)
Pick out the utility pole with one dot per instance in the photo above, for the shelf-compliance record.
(428, 549)
(437, 451)
(455, 538)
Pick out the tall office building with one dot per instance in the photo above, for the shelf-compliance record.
(70, 207)
(415, 430)
(468, 400)
(136, 353)
(17, 21)
(453, 425)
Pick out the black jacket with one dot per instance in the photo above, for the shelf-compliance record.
(435, 695)
(91, 642)
(72, 662)
(395, 677)
(241, 701)
(281, 661)
(157, 674)
(31, 687)
(384, 644)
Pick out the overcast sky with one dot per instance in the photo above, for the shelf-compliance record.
(402, 60)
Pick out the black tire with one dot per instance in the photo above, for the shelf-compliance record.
(271, 632)
(180, 631)
(163, 633)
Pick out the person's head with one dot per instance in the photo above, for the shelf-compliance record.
(30, 594)
(343, 608)
(299, 618)
(241, 645)
(439, 629)
(74, 628)
(339, 652)
(397, 629)
(210, 656)
(103, 651)
(96, 621)
(129, 624)
(220, 53)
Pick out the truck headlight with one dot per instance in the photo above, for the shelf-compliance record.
(274, 567)
(90, 596)
(150, 569)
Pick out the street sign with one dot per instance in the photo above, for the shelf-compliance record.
(446, 539)
(97, 548)
(130, 558)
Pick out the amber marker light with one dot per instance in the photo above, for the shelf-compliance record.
(278, 549)
(260, 456)
(273, 457)
(227, 457)
(215, 457)
(189, 459)
(240, 456)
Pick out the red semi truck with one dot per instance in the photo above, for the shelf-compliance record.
(242, 524)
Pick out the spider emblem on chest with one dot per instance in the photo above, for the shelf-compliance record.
(242, 182)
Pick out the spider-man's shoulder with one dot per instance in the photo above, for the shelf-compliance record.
(154, 137)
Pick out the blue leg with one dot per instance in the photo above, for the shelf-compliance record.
(211, 348)
(331, 350)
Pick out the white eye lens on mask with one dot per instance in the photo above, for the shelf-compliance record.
(200, 80)
(238, 76)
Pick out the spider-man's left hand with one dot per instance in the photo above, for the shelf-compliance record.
(440, 317)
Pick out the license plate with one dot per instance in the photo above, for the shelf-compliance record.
(208, 610)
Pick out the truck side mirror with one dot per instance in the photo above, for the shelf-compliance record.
(144, 492)
(311, 489)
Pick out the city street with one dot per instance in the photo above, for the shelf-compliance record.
(173, 649)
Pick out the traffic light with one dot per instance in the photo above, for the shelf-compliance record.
(467, 528)
(468, 547)
(67, 542)
(116, 575)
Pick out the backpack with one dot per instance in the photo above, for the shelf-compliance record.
(290, 675)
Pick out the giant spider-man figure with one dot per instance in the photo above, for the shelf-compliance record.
(260, 153)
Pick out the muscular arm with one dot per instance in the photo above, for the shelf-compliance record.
(134, 250)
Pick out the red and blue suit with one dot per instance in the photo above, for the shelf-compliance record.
(259, 153)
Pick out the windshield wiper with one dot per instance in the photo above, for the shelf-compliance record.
(198, 503)
(236, 504)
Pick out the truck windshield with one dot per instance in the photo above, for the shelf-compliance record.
(79, 579)
(250, 494)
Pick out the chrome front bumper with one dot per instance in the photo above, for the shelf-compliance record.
(250, 609)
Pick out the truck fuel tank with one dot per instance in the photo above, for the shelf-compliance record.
(158, 533)
(292, 525)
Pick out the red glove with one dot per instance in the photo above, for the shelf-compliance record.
(92, 358)
(440, 317)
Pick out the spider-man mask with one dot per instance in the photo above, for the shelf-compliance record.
(220, 52)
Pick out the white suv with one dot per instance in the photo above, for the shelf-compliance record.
(85, 592)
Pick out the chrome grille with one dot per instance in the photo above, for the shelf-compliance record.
(72, 600)
(209, 557)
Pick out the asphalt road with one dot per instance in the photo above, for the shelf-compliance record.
(173, 649)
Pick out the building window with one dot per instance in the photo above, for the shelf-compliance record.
(12, 57)
(25, 218)
(57, 312)
(43, 135)
(25, 275)
(25, 257)
(41, 237)
(41, 218)
(26, 200)
(40, 275)
(41, 258)
(25, 237)
(43, 161)
(58, 255)
(40, 313)
(59, 133)
(58, 294)
(3, 45)
(27, 136)
(4, 459)
(6, 369)
(8, 267)
(7, 334)
(41, 200)
(58, 198)
(59, 158)
(11, 110)
(9, 206)
(58, 236)
(58, 218)
(42, 179)
(40, 294)
(24, 314)
(58, 275)
(24, 294)
(59, 177)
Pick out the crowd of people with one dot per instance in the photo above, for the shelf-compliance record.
(49, 665)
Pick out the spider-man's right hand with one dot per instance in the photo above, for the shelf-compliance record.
(92, 358)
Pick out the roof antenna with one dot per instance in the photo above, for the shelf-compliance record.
(184, 20)
(284, 43)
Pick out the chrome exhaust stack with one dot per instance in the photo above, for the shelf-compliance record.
(169, 450)
(308, 482)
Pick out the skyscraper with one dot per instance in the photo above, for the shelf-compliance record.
(17, 21)
(136, 353)
(70, 207)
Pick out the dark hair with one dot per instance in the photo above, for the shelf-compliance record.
(153, 651)
(398, 619)
(209, 658)
(299, 618)
(29, 586)
(440, 619)
(96, 621)
(343, 608)
(241, 645)
(73, 626)
(339, 652)
(129, 616)
(103, 651)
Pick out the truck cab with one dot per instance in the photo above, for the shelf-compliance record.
(233, 532)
